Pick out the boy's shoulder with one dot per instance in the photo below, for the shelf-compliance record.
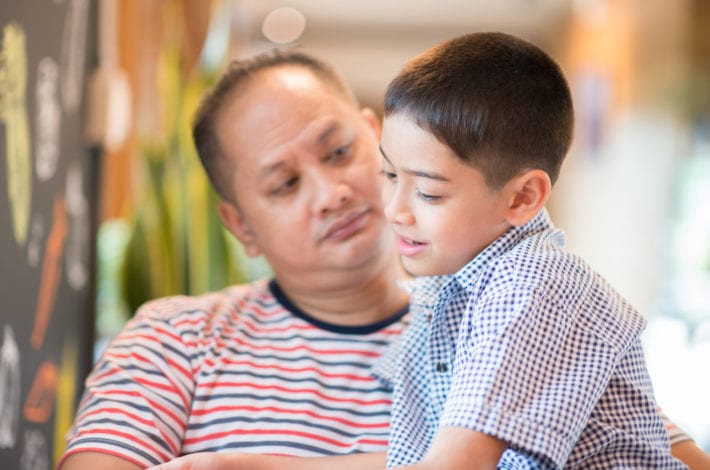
(538, 258)
(567, 281)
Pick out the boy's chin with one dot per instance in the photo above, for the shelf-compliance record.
(422, 270)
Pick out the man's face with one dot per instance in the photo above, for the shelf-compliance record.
(305, 179)
(442, 211)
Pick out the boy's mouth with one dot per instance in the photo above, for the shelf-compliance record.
(409, 247)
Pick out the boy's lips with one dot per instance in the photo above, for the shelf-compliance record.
(346, 226)
(409, 247)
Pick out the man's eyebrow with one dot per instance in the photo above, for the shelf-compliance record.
(420, 173)
(322, 137)
(327, 132)
(266, 171)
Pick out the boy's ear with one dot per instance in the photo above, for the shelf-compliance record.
(233, 220)
(528, 193)
(374, 122)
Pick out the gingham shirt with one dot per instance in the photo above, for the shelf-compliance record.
(526, 343)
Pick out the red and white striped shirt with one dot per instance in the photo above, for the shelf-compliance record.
(241, 370)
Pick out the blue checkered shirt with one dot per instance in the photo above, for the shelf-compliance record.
(526, 343)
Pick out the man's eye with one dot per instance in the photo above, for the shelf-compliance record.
(285, 187)
(339, 154)
(427, 197)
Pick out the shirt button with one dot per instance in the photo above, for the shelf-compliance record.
(441, 367)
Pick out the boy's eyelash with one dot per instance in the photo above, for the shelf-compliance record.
(427, 197)
(388, 174)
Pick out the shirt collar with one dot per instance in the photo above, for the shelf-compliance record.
(423, 290)
(467, 275)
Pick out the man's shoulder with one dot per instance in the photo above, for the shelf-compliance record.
(232, 299)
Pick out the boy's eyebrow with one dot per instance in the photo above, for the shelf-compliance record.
(420, 173)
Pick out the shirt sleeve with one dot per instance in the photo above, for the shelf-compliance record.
(526, 373)
(137, 398)
(675, 433)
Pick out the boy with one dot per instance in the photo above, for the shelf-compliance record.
(532, 360)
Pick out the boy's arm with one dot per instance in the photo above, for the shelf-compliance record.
(456, 448)
(223, 461)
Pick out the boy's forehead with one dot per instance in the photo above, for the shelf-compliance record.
(416, 150)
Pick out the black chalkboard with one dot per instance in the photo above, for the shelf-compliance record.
(47, 224)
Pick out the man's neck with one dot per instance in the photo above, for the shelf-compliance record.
(360, 297)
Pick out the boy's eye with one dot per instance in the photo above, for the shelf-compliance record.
(427, 197)
(389, 175)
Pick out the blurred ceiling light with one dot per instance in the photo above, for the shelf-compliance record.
(283, 25)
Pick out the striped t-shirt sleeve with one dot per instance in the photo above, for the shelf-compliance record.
(236, 371)
(675, 433)
(143, 382)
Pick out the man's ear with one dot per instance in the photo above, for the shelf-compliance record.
(374, 122)
(527, 194)
(234, 222)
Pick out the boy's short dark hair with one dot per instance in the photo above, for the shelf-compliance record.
(238, 74)
(499, 102)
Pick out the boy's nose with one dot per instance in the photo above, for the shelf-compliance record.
(397, 212)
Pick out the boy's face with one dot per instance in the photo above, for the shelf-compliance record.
(442, 211)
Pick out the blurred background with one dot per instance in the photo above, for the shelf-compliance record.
(117, 171)
(633, 195)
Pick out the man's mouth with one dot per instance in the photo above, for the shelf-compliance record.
(346, 226)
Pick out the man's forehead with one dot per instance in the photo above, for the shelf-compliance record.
(281, 113)
(312, 135)
(287, 78)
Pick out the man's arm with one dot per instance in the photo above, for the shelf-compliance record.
(683, 447)
(224, 461)
(96, 461)
(691, 455)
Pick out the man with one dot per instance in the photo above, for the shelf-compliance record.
(277, 367)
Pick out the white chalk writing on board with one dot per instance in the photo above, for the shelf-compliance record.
(78, 236)
(47, 119)
(35, 453)
(34, 244)
(9, 388)
(72, 55)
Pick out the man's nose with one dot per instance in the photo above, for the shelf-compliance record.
(331, 195)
